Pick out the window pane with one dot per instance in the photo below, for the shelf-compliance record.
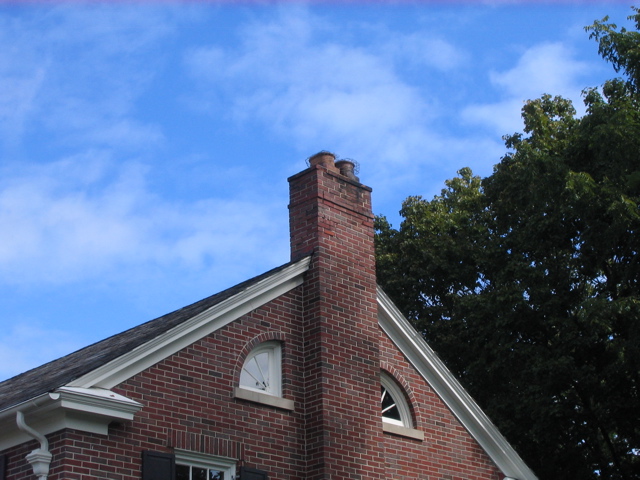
(389, 408)
(255, 373)
(216, 475)
(182, 472)
(198, 473)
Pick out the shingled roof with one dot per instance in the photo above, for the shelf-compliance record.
(57, 373)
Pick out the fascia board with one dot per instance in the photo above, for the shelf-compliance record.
(449, 389)
(115, 372)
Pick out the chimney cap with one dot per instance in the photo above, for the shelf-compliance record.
(348, 168)
(323, 157)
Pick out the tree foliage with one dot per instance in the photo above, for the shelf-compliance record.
(527, 282)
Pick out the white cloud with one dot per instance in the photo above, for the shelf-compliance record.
(298, 77)
(22, 75)
(544, 68)
(422, 50)
(79, 71)
(503, 117)
(84, 217)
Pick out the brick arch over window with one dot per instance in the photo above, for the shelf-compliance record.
(410, 396)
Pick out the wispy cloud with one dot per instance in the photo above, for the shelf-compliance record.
(544, 68)
(422, 50)
(383, 100)
(81, 208)
(78, 72)
(86, 217)
(298, 77)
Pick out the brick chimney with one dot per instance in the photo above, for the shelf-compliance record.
(330, 217)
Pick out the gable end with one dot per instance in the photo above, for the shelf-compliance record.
(449, 389)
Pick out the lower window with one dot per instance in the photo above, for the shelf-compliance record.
(188, 465)
(189, 472)
(395, 409)
(199, 466)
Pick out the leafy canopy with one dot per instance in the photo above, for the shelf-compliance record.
(527, 282)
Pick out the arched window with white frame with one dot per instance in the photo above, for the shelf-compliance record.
(261, 377)
(262, 369)
(395, 409)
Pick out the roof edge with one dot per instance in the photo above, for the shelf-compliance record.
(142, 357)
(449, 389)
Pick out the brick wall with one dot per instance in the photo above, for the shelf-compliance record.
(448, 452)
(189, 405)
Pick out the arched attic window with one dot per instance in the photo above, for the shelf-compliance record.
(395, 409)
(261, 377)
(262, 370)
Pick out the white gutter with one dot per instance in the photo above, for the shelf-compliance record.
(87, 410)
(30, 404)
(40, 458)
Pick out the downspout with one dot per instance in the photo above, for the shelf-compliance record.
(40, 458)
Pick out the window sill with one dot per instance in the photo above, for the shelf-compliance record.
(403, 431)
(264, 398)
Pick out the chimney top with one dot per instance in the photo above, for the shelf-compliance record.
(345, 167)
(325, 159)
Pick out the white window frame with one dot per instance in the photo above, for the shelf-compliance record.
(203, 460)
(274, 352)
(403, 427)
(392, 389)
(273, 394)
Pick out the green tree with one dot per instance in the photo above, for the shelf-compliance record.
(527, 282)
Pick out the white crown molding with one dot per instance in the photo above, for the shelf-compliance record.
(144, 356)
(98, 401)
(449, 389)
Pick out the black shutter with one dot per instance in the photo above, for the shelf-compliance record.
(247, 473)
(3, 467)
(158, 466)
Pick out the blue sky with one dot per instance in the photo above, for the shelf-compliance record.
(145, 147)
